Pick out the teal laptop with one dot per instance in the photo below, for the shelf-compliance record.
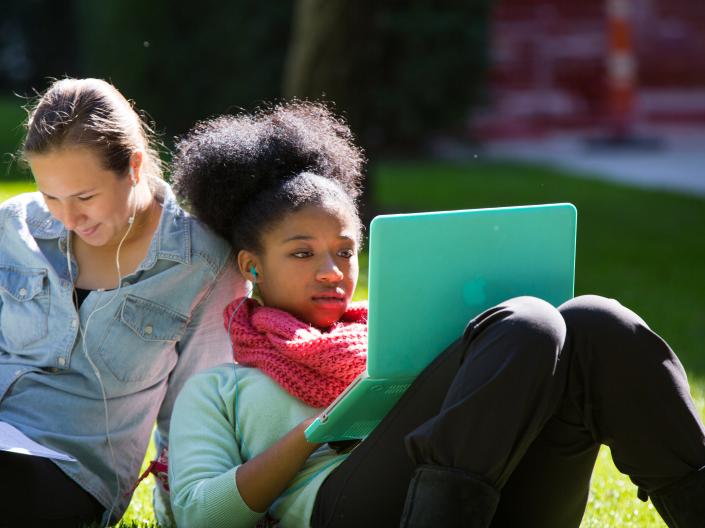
(429, 274)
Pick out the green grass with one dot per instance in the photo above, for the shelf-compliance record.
(11, 188)
(642, 247)
(140, 512)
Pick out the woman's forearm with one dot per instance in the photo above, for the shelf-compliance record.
(262, 479)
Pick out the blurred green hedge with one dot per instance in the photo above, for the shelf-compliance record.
(184, 61)
(400, 70)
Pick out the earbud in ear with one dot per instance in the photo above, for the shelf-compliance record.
(131, 220)
(253, 270)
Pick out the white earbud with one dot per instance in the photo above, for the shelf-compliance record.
(134, 207)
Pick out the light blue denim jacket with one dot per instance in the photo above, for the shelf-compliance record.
(165, 324)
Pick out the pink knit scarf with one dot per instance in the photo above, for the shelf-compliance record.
(314, 366)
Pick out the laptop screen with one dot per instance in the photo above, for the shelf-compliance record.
(430, 273)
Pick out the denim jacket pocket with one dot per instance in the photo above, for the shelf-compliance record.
(140, 344)
(24, 306)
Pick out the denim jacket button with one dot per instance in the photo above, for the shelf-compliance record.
(148, 329)
(73, 323)
(23, 292)
(62, 361)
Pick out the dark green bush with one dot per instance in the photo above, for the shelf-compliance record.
(400, 70)
(184, 61)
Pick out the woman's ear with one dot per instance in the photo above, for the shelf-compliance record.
(248, 264)
(135, 166)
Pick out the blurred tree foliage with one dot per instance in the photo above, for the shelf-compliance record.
(399, 69)
(184, 61)
(37, 40)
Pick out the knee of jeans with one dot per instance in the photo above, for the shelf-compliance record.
(608, 330)
(539, 328)
(599, 315)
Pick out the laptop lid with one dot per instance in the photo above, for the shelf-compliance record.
(429, 273)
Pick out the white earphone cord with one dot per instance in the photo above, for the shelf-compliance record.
(245, 450)
(84, 330)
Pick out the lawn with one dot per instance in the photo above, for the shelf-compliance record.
(641, 247)
(635, 245)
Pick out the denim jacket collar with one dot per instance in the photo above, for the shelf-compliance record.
(172, 240)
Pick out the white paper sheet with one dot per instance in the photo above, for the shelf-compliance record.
(15, 441)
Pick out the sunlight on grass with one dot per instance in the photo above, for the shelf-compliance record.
(604, 266)
(11, 188)
(613, 500)
(140, 510)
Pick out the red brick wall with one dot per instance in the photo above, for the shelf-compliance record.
(549, 61)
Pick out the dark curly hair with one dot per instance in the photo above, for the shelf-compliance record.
(242, 174)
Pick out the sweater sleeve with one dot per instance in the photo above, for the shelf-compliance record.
(204, 456)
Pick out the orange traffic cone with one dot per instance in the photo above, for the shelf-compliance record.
(621, 70)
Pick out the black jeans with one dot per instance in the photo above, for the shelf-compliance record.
(35, 492)
(524, 399)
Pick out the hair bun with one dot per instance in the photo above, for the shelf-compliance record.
(222, 164)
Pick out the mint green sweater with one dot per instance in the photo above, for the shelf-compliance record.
(223, 417)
